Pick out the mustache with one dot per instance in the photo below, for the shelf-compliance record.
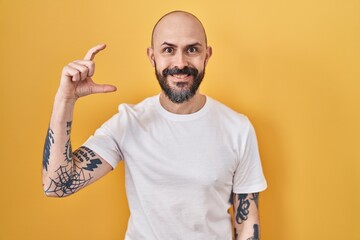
(186, 70)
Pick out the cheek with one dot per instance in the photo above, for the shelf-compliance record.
(160, 65)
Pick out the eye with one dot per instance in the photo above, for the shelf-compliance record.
(192, 50)
(168, 50)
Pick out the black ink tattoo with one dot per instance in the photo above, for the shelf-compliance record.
(256, 233)
(243, 209)
(68, 181)
(84, 154)
(48, 142)
(93, 164)
(255, 197)
(68, 125)
(92, 154)
(87, 155)
(68, 151)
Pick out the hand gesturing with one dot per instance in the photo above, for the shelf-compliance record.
(76, 78)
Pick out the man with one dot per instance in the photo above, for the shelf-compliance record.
(185, 154)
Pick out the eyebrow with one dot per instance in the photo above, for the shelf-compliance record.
(173, 45)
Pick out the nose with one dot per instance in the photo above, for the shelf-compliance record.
(180, 60)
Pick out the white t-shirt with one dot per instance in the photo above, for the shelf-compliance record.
(181, 169)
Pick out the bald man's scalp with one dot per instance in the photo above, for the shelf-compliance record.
(172, 13)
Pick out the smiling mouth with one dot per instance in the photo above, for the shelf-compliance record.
(180, 76)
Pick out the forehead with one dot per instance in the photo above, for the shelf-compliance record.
(179, 29)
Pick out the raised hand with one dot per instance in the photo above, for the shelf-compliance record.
(76, 78)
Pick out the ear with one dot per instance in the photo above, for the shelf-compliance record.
(208, 54)
(150, 54)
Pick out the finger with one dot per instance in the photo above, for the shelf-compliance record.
(89, 64)
(102, 88)
(72, 73)
(93, 51)
(81, 68)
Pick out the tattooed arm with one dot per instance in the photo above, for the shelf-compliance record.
(65, 172)
(246, 217)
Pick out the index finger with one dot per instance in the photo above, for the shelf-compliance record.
(93, 51)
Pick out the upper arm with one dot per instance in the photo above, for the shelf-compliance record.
(85, 168)
(246, 217)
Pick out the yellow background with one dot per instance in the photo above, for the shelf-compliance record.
(292, 66)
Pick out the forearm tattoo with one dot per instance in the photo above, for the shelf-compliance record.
(73, 175)
(48, 142)
(68, 149)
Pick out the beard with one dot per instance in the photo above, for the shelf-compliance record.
(186, 90)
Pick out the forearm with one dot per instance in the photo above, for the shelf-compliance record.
(57, 149)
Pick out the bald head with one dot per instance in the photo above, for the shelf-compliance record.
(177, 24)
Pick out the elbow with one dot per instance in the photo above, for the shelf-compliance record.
(50, 194)
(54, 194)
(55, 189)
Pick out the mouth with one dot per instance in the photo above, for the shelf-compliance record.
(180, 77)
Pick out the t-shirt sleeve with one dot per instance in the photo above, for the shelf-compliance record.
(249, 177)
(105, 141)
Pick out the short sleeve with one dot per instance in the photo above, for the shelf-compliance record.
(105, 141)
(249, 177)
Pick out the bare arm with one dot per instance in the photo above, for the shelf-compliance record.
(246, 217)
(65, 172)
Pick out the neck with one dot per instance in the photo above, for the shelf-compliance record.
(192, 105)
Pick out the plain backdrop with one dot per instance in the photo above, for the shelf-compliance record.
(293, 67)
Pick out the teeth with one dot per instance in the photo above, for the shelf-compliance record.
(180, 75)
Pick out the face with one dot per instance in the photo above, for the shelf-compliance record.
(179, 55)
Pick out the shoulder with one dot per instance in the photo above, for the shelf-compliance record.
(128, 112)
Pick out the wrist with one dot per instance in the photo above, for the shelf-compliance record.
(64, 100)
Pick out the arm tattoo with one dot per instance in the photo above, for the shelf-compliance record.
(244, 204)
(256, 233)
(87, 155)
(243, 209)
(255, 197)
(48, 142)
(74, 175)
(235, 233)
(68, 130)
(68, 180)
(68, 149)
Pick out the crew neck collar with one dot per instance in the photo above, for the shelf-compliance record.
(182, 117)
